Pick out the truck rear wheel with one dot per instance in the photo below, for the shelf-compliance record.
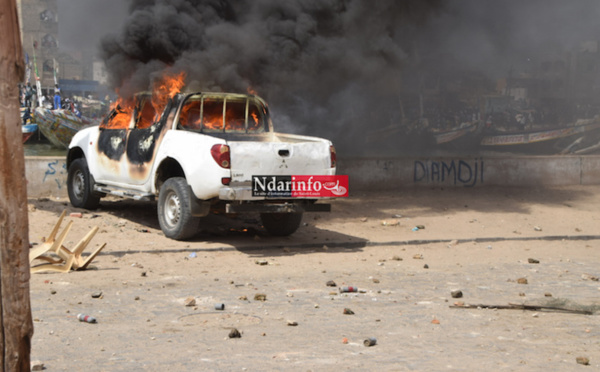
(281, 224)
(174, 210)
(79, 186)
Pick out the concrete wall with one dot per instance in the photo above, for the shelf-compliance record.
(46, 176)
(471, 171)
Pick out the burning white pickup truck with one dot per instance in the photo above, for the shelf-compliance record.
(199, 152)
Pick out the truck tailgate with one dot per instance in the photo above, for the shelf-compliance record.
(250, 158)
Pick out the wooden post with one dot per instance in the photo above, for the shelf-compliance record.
(16, 328)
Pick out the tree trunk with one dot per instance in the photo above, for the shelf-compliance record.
(16, 327)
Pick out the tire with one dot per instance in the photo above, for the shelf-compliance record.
(174, 210)
(79, 186)
(281, 224)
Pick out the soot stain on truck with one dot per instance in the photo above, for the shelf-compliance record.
(111, 142)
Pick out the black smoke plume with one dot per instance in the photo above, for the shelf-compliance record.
(341, 69)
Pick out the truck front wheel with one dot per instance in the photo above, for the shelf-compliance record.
(281, 224)
(79, 186)
(174, 210)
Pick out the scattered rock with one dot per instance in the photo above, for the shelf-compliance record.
(331, 283)
(260, 297)
(375, 280)
(97, 294)
(396, 258)
(583, 360)
(522, 281)
(533, 261)
(344, 340)
(521, 294)
(37, 366)
(364, 219)
(456, 294)
(243, 298)
(426, 266)
(420, 227)
(76, 215)
(292, 323)
(435, 321)
(348, 311)
(418, 256)
(262, 262)
(548, 294)
(537, 228)
(190, 301)
(390, 223)
(234, 333)
(589, 277)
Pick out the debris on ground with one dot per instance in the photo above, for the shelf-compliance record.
(97, 294)
(371, 341)
(59, 258)
(190, 301)
(234, 333)
(524, 307)
(583, 360)
(456, 294)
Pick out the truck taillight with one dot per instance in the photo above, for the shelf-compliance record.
(333, 156)
(221, 155)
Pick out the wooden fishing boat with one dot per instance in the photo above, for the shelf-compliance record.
(28, 131)
(450, 135)
(59, 126)
(523, 140)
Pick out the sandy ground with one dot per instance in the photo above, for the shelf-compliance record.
(478, 241)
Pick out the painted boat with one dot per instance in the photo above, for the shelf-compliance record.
(59, 126)
(28, 131)
(28, 127)
(453, 134)
(511, 139)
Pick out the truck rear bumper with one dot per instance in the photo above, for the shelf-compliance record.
(239, 199)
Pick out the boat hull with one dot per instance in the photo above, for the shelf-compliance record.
(538, 139)
(28, 131)
(59, 126)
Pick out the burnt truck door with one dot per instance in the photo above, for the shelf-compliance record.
(110, 147)
(143, 140)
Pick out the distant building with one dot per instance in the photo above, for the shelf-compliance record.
(78, 71)
(38, 20)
